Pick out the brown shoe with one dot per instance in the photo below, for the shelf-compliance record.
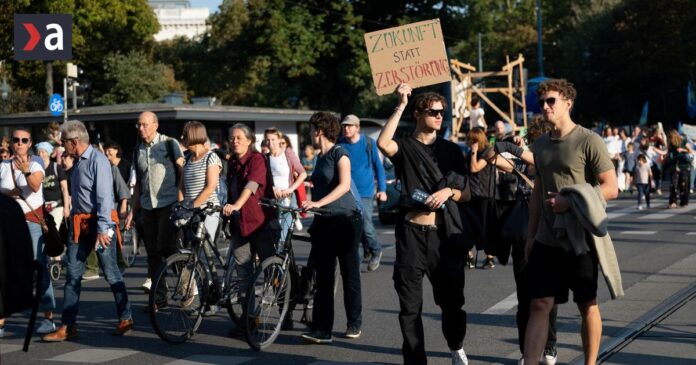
(61, 334)
(125, 327)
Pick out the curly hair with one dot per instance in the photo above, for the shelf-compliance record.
(423, 102)
(327, 123)
(562, 86)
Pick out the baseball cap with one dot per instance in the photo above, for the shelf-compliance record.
(351, 119)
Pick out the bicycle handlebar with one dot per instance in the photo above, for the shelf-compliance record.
(273, 203)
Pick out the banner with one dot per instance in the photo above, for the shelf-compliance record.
(689, 131)
(413, 53)
(643, 121)
(690, 101)
(42, 37)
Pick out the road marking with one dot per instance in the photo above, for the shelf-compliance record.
(6, 349)
(210, 359)
(658, 216)
(691, 233)
(620, 213)
(504, 305)
(327, 362)
(642, 233)
(93, 356)
(387, 232)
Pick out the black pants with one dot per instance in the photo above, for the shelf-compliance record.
(159, 237)
(336, 237)
(524, 299)
(680, 186)
(420, 252)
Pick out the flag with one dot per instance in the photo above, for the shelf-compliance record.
(690, 101)
(643, 121)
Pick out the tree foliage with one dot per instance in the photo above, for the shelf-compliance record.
(133, 78)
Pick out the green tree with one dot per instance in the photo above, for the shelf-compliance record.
(133, 78)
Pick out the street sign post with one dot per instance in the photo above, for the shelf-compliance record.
(56, 105)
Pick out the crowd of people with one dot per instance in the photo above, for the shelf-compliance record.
(451, 203)
(650, 157)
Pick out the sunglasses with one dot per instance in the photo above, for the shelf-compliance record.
(63, 141)
(434, 112)
(23, 140)
(550, 101)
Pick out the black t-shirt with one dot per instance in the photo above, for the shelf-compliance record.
(446, 155)
(53, 175)
(325, 178)
(124, 167)
(483, 182)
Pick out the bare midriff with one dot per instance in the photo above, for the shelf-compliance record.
(424, 218)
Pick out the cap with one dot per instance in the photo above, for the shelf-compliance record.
(44, 146)
(351, 119)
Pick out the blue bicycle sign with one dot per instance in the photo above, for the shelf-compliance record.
(56, 105)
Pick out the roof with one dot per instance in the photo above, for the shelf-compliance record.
(164, 112)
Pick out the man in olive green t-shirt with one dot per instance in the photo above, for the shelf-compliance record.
(568, 155)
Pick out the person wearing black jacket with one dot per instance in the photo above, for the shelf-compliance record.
(429, 229)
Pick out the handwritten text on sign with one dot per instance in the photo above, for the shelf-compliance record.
(413, 53)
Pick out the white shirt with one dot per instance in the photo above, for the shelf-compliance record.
(280, 169)
(35, 199)
(476, 118)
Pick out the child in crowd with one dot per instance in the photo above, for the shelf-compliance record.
(642, 175)
(629, 165)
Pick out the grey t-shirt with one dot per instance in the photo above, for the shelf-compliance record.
(578, 157)
(325, 179)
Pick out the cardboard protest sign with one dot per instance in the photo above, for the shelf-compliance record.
(413, 53)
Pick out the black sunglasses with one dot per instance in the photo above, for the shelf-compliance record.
(23, 140)
(550, 101)
(434, 112)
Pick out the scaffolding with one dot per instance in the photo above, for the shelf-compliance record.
(467, 82)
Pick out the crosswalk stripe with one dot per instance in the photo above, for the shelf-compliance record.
(211, 360)
(658, 216)
(504, 305)
(691, 233)
(93, 356)
(642, 233)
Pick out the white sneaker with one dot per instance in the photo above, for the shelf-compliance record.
(459, 357)
(90, 277)
(549, 357)
(298, 225)
(640, 207)
(146, 285)
(2, 331)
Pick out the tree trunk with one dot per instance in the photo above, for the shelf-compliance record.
(49, 79)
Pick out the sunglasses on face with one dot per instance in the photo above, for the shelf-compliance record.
(23, 140)
(434, 112)
(550, 101)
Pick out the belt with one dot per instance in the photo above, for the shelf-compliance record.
(422, 227)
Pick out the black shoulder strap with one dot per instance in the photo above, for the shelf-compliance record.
(172, 157)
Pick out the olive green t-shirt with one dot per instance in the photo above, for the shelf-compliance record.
(578, 157)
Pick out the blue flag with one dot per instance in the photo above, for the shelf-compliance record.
(643, 121)
(690, 100)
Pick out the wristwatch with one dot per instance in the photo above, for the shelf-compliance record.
(27, 174)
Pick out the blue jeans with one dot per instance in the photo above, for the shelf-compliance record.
(369, 236)
(77, 255)
(48, 300)
(285, 218)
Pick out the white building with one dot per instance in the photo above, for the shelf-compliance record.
(177, 18)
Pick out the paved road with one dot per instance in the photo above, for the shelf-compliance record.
(656, 249)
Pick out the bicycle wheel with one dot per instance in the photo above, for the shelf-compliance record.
(177, 298)
(129, 249)
(234, 293)
(268, 299)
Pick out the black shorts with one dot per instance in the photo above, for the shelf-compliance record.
(552, 272)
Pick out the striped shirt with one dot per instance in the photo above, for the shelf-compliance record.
(195, 176)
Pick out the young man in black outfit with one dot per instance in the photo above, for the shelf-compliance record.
(428, 231)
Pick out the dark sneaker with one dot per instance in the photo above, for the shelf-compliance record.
(318, 337)
(489, 264)
(367, 256)
(373, 264)
(549, 357)
(353, 332)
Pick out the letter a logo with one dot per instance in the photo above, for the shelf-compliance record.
(44, 37)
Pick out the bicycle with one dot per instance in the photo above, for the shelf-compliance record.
(189, 281)
(278, 285)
